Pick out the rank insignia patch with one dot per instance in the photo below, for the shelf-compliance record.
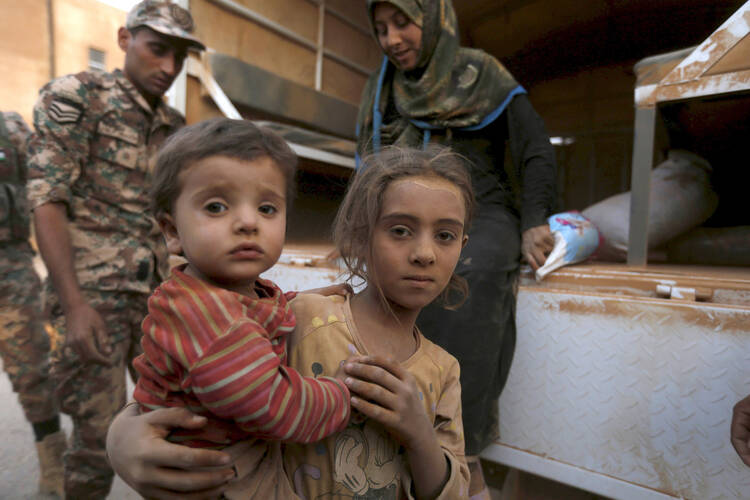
(64, 112)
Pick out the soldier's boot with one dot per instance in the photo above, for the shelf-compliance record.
(50, 452)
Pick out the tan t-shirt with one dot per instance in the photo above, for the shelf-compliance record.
(363, 459)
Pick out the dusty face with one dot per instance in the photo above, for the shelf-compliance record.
(400, 39)
(417, 240)
(152, 60)
(229, 220)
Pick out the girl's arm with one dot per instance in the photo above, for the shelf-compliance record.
(387, 393)
(155, 468)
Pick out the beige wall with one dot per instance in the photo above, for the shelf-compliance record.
(84, 24)
(24, 45)
(233, 35)
(23, 54)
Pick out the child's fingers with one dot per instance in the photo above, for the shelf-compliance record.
(372, 392)
(374, 411)
(374, 374)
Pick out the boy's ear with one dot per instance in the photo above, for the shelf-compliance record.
(171, 236)
(464, 240)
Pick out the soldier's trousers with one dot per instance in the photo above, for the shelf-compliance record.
(24, 344)
(92, 394)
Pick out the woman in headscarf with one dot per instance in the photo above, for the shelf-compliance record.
(429, 89)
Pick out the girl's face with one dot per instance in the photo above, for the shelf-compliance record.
(400, 39)
(417, 240)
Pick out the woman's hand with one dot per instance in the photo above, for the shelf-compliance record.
(536, 244)
(155, 468)
(741, 429)
(387, 393)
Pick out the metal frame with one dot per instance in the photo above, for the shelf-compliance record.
(691, 78)
(317, 46)
(177, 94)
(199, 69)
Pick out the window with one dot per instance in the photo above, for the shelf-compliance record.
(97, 59)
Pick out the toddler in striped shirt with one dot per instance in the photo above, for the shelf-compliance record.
(214, 340)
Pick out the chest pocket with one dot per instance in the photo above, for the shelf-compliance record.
(118, 144)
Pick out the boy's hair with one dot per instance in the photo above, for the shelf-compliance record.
(237, 139)
(359, 212)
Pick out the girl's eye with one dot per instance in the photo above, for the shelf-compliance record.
(400, 231)
(215, 207)
(268, 209)
(446, 236)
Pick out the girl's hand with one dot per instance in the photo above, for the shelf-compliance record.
(155, 468)
(385, 392)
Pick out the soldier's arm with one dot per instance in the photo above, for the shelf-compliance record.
(19, 133)
(85, 331)
(57, 152)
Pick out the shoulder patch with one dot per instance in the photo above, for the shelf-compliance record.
(65, 111)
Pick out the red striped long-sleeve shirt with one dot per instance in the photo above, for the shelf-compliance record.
(223, 355)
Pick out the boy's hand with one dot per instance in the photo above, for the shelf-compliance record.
(741, 429)
(342, 289)
(385, 392)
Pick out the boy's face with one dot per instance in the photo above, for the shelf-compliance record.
(229, 220)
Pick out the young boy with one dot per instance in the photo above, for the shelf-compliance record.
(214, 340)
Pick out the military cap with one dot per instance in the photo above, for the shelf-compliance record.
(166, 18)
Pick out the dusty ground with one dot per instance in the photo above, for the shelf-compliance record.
(18, 465)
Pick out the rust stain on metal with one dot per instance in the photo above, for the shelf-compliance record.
(715, 319)
(664, 490)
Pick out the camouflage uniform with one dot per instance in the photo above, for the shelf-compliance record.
(24, 345)
(93, 150)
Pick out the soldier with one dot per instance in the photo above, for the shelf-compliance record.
(24, 345)
(90, 161)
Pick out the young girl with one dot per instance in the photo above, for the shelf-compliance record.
(401, 228)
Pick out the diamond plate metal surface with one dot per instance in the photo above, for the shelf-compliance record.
(636, 389)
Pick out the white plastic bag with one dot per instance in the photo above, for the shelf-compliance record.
(681, 198)
(576, 238)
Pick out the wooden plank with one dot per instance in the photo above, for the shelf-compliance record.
(737, 59)
(235, 36)
(712, 49)
(343, 40)
(339, 81)
(354, 11)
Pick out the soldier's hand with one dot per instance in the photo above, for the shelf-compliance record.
(86, 335)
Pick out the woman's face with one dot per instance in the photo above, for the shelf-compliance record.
(400, 39)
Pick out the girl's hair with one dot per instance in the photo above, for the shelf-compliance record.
(359, 212)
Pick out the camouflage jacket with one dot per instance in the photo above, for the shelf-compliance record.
(94, 150)
(14, 218)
